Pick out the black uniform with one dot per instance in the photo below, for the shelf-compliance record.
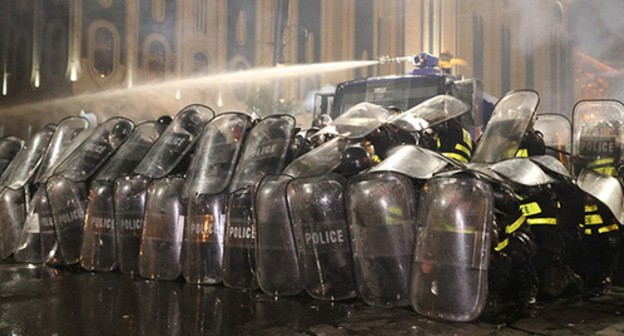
(601, 245)
(540, 207)
(453, 141)
(512, 276)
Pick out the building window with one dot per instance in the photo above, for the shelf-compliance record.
(477, 46)
(156, 60)
(505, 60)
(240, 63)
(241, 28)
(200, 63)
(103, 49)
(158, 10)
(201, 16)
(103, 52)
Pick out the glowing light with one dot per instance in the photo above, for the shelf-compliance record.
(73, 73)
(178, 94)
(5, 78)
(220, 99)
(36, 79)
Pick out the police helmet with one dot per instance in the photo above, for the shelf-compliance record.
(355, 159)
(533, 142)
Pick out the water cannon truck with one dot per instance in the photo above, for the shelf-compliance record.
(431, 76)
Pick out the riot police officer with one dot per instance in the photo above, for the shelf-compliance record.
(532, 144)
(451, 139)
(512, 275)
(601, 245)
(601, 242)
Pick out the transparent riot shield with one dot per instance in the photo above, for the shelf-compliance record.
(381, 211)
(163, 228)
(67, 188)
(413, 161)
(239, 256)
(277, 259)
(69, 134)
(205, 192)
(93, 152)
(37, 242)
(26, 162)
(557, 132)
(449, 273)
(430, 113)
(175, 142)
(67, 200)
(9, 147)
(98, 251)
(358, 121)
(317, 209)
(131, 152)
(129, 202)
(320, 160)
(12, 216)
(597, 133)
(217, 151)
(264, 153)
(204, 239)
(604, 188)
(522, 171)
(502, 136)
(15, 193)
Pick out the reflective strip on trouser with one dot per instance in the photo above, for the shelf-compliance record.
(542, 221)
(604, 229)
(502, 245)
(509, 229)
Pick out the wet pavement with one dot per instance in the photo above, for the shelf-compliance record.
(38, 300)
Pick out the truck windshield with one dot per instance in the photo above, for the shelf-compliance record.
(403, 92)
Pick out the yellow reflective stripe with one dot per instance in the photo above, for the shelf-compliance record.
(395, 210)
(558, 205)
(530, 209)
(609, 228)
(502, 245)
(467, 138)
(450, 228)
(606, 171)
(438, 143)
(463, 149)
(376, 159)
(456, 156)
(604, 229)
(522, 152)
(591, 208)
(542, 221)
(601, 162)
(515, 225)
(595, 219)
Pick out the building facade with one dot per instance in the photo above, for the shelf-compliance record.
(146, 58)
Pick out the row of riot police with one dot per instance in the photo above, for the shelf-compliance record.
(398, 208)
